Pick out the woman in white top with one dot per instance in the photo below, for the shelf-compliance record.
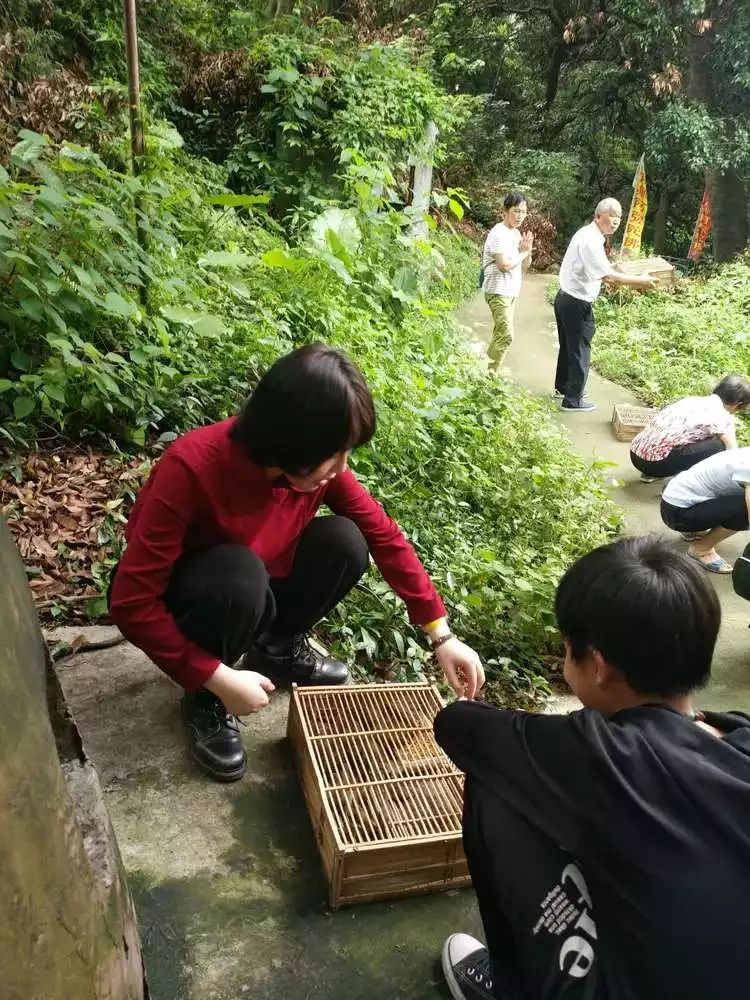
(684, 433)
(505, 254)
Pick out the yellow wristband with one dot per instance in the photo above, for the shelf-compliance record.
(431, 626)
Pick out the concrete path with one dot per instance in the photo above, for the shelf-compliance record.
(227, 882)
(531, 360)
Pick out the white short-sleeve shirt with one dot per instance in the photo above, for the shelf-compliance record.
(720, 475)
(585, 264)
(504, 240)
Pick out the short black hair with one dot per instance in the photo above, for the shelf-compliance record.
(309, 406)
(513, 199)
(733, 390)
(647, 609)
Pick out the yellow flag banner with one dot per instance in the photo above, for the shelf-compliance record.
(631, 238)
(702, 229)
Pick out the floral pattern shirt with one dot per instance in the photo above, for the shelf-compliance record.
(684, 422)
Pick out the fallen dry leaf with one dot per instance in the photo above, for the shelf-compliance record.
(65, 516)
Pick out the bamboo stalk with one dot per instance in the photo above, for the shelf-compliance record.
(134, 82)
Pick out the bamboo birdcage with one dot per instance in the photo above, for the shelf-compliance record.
(384, 800)
(628, 420)
(664, 273)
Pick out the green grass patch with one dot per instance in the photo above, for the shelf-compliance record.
(668, 345)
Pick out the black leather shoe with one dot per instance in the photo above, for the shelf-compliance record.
(295, 661)
(214, 734)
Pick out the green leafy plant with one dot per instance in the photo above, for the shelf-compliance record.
(665, 346)
(331, 114)
(98, 331)
(107, 340)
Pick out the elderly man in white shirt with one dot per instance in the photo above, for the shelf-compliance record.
(584, 268)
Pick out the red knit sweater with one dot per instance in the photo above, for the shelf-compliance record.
(205, 491)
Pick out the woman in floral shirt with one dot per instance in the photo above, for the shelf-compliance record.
(688, 431)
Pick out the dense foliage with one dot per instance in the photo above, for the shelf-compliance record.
(579, 89)
(559, 98)
(107, 338)
(297, 107)
(102, 335)
(272, 208)
(670, 345)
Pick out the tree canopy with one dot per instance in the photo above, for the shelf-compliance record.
(558, 96)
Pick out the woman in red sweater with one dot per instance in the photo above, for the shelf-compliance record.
(228, 568)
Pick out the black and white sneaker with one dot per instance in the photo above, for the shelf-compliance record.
(296, 661)
(466, 967)
(557, 394)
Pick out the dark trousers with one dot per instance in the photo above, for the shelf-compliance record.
(534, 903)
(728, 511)
(223, 599)
(684, 456)
(575, 331)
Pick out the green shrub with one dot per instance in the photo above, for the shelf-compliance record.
(101, 335)
(103, 338)
(327, 105)
(666, 345)
(551, 181)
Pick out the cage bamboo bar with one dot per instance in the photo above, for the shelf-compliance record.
(384, 800)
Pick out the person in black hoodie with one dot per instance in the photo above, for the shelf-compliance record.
(610, 848)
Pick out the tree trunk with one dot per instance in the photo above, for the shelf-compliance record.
(557, 57)
(275, 8)
(728, 197)
(660, 219)
(726, 190)
(67, 925)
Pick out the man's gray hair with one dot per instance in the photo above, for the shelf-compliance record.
(608, 205)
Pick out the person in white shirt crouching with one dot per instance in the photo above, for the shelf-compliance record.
(711, 502)
(585, 266)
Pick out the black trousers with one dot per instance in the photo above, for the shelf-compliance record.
(684, 456)
(728, 511)
(223, 599)
(575, 331)
(534, 903)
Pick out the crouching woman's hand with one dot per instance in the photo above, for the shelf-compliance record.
(242, 691)
(461, 666)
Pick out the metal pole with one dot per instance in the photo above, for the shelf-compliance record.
(134, 82)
